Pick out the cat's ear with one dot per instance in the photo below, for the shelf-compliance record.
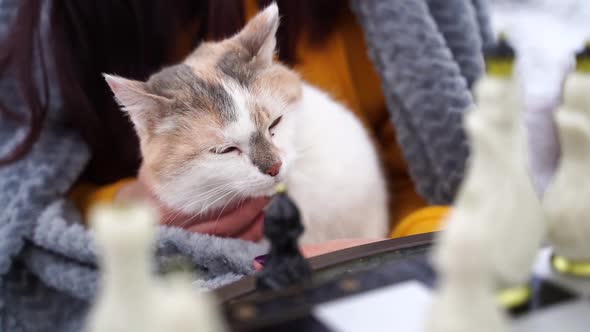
(259, 35)
(136, 99)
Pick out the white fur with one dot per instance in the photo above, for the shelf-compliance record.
(335, 176)
(329, 164)
(241, 130)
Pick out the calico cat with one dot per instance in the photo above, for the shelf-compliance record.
(229, 123)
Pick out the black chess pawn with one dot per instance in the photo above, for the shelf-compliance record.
(284, 265)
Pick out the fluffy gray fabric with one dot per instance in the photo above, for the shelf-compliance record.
(427, 53)
(485, 26)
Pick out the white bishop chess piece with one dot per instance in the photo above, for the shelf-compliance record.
(496, 227)
(131, 298)
(567, 200)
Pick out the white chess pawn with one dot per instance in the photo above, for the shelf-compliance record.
(497, 203)
(567, 201)
(180, 309)
(467, 307)
(466, 294)
(126, 296)
(131, 298)
(496, 227)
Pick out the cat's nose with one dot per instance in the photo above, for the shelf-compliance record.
(274, 169)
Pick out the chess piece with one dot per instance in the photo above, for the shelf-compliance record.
(181, 309)
(466, 295)
(126, 295)
(284, 265)
(131, 298)
(515, 227)
(496, 204)
(496, 227)
(466, 307)
(566, 202)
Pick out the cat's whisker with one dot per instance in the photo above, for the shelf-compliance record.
(225, 205)
(201, 211)
(241, 202)
(215, 201)
(220, 192)
(214, 193)
(170, 186)
(203, 197)
(221, 212)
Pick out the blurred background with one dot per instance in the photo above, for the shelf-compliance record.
(542, 42)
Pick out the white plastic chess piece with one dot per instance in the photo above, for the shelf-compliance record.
(496, 204)
(496, 226)
(183, 310)
(567, 200)
(466, 294)
(131, 298)
(466, 307)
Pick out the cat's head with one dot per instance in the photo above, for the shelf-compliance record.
(217, 127)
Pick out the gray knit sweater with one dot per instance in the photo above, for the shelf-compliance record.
(427, 52)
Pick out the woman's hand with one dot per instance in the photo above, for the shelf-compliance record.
(244, 221)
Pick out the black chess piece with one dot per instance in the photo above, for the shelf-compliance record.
(284, 265)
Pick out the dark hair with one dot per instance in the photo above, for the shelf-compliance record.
(131, 38)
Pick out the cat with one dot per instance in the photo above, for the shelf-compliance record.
(229, 123)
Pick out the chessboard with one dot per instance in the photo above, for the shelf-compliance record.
(388, 286)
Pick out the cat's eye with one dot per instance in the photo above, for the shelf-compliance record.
(225, 150)
(275, 123)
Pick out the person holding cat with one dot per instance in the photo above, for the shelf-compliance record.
(319, 40)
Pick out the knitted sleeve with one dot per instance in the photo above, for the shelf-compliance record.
(458, 24)
(482, 12)
(427, 53)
